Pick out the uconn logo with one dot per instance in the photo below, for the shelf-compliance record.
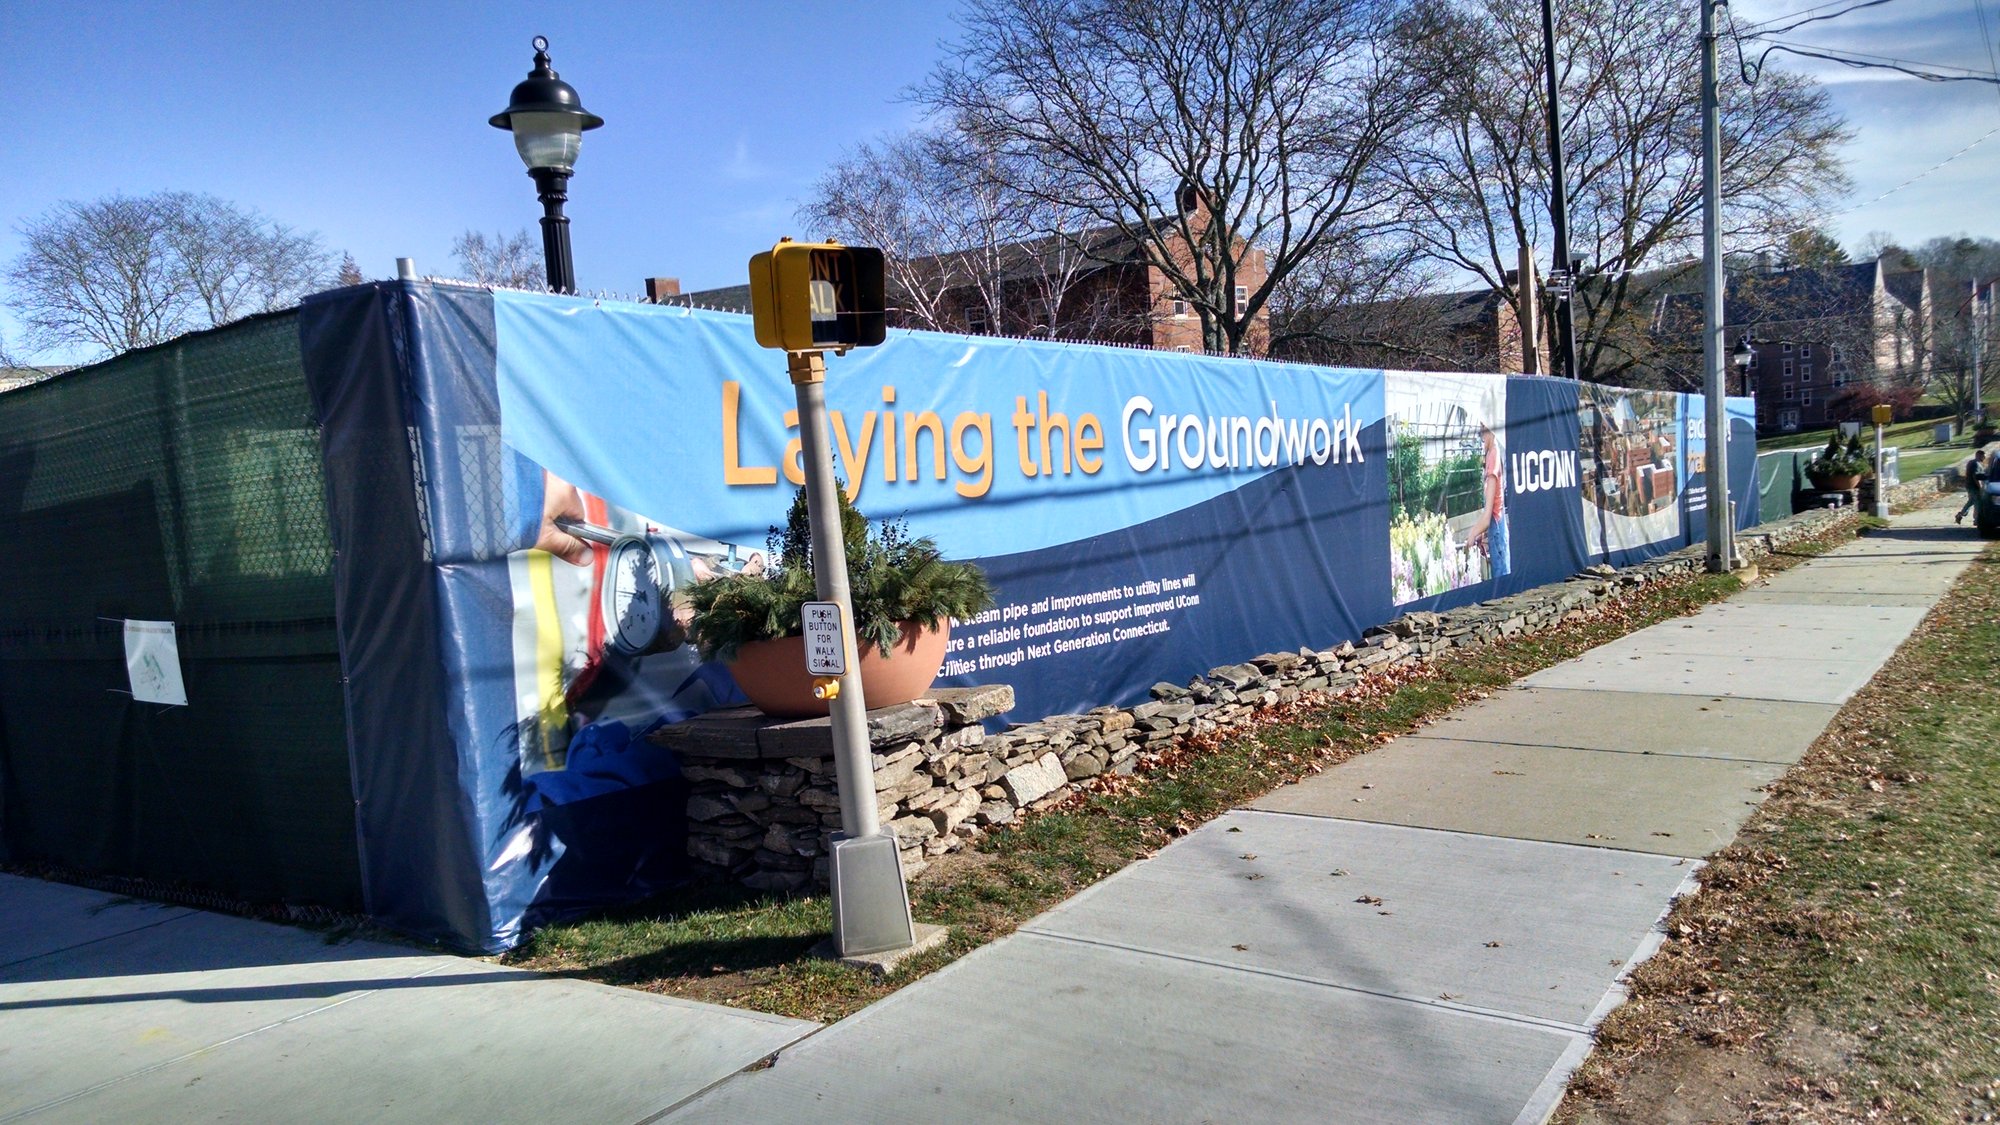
(1540, 469)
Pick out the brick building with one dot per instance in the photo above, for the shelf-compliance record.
(1471, 330)
(1100, 286)
(1814, 332)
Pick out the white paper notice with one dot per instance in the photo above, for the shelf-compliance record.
(153, 661)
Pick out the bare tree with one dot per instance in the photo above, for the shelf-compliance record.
(126, 272)
(1477, 174)
(964, 246)
(513, 261)
(1367, 303)
(897, 194)
(1205, 132)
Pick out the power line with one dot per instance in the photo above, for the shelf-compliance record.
(1982, 138)
(1986, 33)
(1929, 72)
(1767, 29)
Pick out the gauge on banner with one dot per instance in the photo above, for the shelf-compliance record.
(631, 597)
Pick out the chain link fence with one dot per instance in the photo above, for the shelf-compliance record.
(179, 483)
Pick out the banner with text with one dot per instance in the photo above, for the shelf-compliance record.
(1143, 515)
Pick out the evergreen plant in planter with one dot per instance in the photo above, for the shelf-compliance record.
(1841, 465)
(905, 596)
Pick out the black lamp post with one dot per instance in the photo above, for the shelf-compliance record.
(548, 122)
(1745, 357)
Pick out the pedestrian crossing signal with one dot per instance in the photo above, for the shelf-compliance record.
(818, 296)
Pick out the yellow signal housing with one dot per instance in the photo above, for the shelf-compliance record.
(818, 296)
(1884, 414)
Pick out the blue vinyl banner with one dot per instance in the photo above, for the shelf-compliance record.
(1143, 515)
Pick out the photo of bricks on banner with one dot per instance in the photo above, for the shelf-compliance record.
(809, 298)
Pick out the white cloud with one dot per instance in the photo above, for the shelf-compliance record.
(741, 166)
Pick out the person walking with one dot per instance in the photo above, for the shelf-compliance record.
(1975, 472)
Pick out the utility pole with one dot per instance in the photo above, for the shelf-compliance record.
(1562, 346)
(1721, 534)
(1530, 297)
(1981, 311)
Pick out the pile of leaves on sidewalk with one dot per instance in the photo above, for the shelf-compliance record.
(1842, 960)
(733, 947)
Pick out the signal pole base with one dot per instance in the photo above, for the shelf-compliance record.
(871, 904)
(882, 964)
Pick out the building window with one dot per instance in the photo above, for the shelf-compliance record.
(1790, 394)
(1805, 398)
(1788, 419)
(1788, 364)
(1183, 348)
(1805, 351)
(1788, 347)
(1242, 299)
(1180, 308)
(975, 320)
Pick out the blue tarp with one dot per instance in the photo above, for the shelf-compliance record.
(1144, 516)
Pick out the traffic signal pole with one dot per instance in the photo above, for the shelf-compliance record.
(808, 298)
(852, 758)
(871, 902)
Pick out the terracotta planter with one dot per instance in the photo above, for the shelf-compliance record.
(1835, 483)
(773, 673)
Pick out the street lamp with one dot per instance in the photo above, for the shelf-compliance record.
(1745, 358)
(548, 122)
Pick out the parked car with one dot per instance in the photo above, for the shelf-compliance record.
(1986, 513)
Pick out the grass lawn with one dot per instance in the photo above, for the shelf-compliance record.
(734, 947)
(1907, 435)
(1842, 961)
(1914, 463)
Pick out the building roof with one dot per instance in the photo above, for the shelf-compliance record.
(1439, 311)
(729, 298)
(12, 378)
(1778, 296)
(1015, 260)
(1907, 287)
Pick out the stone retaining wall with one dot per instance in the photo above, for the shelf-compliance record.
(763, 800)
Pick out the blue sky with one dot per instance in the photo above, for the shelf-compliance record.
(1904, 126)
(366, 122)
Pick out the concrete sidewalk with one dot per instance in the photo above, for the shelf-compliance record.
(1426, 933)
(118, 1010)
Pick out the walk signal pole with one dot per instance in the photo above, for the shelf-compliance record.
(808, 299)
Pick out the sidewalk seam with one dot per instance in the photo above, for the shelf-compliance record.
(1697, 861)
(1493, 1014)
(1423, 734)
(669, 1110)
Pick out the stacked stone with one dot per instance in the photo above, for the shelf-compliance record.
(764, 803)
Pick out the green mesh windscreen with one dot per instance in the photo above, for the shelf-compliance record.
(180, 483)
